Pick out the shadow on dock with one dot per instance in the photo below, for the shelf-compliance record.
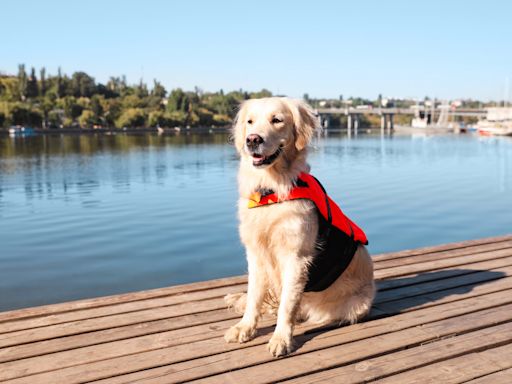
(404, 294)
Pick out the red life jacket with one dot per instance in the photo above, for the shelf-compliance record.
(338, 236)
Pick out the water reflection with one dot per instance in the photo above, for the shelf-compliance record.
(92, 144)
(56, 166)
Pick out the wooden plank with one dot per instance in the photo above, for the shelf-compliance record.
(182, 301)
(62, 342)
(442, 284)
(441, 297)
(106, 334)
(132, 308)
(87, 314)
(441, 247)
(394, 262)
(439, 264)
(255, 366)
(127, 297)
(76, 314)
(408, 359)
(131, 332)
(205, 285)
(99, 352)
(85, 326)
(500, 377)
(254, 351)
(444, 273)
(459, 369)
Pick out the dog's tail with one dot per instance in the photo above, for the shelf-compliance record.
(237, 302)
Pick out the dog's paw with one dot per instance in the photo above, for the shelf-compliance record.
(240, 333)
(280, 345)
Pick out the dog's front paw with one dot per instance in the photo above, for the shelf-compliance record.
(280, 345)
(240, 333)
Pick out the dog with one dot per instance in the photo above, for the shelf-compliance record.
(282, 239)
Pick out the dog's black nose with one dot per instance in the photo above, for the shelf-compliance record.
(253, 141)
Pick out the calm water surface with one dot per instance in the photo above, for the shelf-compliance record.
(84, 216)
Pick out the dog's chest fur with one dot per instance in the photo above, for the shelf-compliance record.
(280, 228)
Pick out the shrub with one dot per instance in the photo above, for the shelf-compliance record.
(87, 119)
(132, 117)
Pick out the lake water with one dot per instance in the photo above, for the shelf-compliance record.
(84, 216)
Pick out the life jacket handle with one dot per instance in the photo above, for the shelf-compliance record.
(329, 214)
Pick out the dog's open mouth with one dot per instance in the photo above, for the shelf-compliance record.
(258, 159)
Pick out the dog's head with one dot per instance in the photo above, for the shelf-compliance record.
(273, 129)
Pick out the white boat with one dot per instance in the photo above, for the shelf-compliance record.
(18, 130)
(423, 120)
(498, 122)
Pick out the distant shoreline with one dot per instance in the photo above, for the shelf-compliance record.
(163, 131)
(111, 131)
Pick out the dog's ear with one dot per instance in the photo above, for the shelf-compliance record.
(305, 120)
(238, 129)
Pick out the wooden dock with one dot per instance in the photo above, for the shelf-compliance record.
(442, 315)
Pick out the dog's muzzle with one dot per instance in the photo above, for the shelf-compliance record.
(259, 160)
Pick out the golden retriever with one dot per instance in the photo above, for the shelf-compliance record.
(272, 135)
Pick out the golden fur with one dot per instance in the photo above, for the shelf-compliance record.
(280, 239)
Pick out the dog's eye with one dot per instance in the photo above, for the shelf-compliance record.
(249, 121)
(275, 120)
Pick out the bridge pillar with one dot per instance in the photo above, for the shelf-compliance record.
(327, 123)
(356, 124)
(390, 123)
(349, 124)
(383, 122)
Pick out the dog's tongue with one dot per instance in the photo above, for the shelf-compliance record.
(257, 159)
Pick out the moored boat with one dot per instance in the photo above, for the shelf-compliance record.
(19, 130)
(498, 122)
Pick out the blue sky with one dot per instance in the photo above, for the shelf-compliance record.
(444, 49)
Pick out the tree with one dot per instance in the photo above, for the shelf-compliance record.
(60, 87)
(205, 117)
(217, 102)
(71, 108)
(113, 110)
(114, 84)
(32, 90)
(132, 117)
(221, 120)
(177, 101)
(96, 107)
(141, 90)
(47, 104)
(176, 118)
(87, 119)
(21, 114)
(263, 93)
(106, 91)
(156, 119)
(42, 80)
(133, 101)
(54, 119)
(22, 82)
(9, 89)
(158, 90)
(82, 85)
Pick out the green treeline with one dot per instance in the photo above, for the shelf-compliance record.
(41, 100)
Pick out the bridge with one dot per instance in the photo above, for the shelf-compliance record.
(387, 114)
